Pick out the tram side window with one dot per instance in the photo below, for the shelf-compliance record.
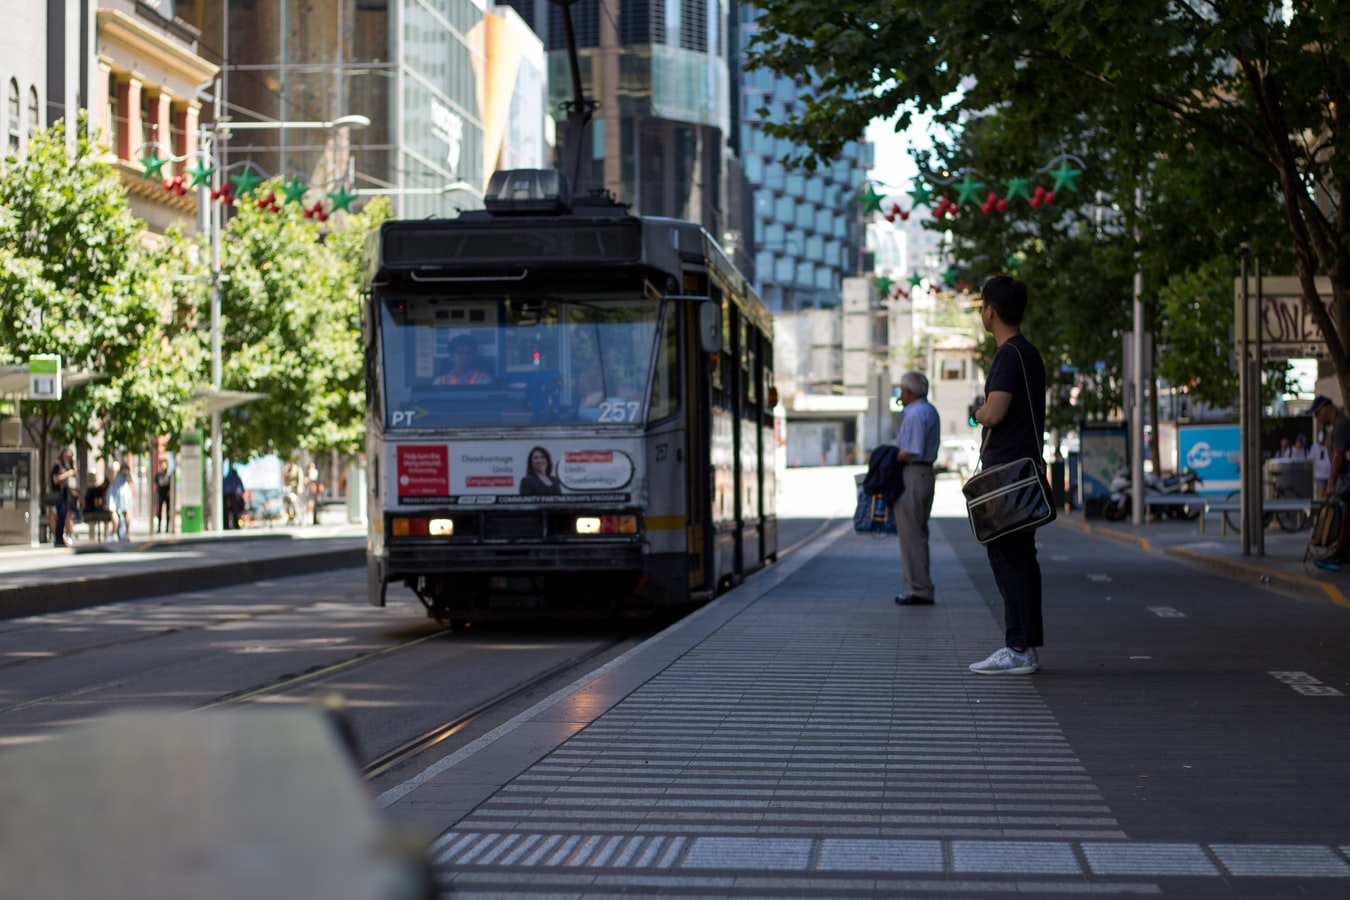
(666, 378)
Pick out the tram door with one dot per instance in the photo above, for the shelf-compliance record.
(699, 474)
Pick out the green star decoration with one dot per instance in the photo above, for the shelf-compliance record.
(154, 163)
(1018, 187)
(915, 279)
(884, 286)
(871, 200)
(295, 190)
(968, 190)
(920, 193)
(1065, 177)
(1013, 263)
(950, 276)
(201, 174)
(342, 200)
(245, 183)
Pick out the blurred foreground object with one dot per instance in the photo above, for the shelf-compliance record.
(226, 804)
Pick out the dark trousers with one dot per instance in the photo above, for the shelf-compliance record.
(1017, 573)
(162, 512)
(62, 511)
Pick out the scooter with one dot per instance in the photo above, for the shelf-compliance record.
(1183, 484)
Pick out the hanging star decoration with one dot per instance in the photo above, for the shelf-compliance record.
(1013, 263)
(201, 174)
(871, 200)
(294, 191)
(967, 189)
(154, 163)
(245, 183)
(950, 276)
(1065, 176)
(915, 279)
(883, 285)
(342, 199)
(920, 193)
(1018, 187)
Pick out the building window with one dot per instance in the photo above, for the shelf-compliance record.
(12, 114)
(34, 111)
(953, 370)
(113, 132)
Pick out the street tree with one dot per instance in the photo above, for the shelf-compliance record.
(291, 330)
(1157, 84)
(74, 281)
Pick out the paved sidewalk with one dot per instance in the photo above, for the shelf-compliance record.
(44, 579)
(802, 736)
(1285, 565)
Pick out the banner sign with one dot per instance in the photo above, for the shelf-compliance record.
(1287, 327)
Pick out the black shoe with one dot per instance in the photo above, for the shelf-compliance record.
(913, 600)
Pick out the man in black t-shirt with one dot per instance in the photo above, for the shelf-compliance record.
(1013, 417)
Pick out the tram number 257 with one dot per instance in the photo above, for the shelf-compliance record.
(619, 411)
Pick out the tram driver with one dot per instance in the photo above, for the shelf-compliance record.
(463, 368)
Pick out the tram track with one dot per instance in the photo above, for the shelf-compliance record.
(392, 759)
(409, 750)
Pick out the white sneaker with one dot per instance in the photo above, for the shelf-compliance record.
(1007, 661)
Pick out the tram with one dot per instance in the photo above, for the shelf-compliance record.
(569, 408)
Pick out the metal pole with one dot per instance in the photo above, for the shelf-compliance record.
(1138, 508)
(217, 221)
(1257, 468)
(1244, 422)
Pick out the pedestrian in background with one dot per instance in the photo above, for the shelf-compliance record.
(163, 486)
(1321, 461)
(62, 478)
(315, 488)
(233, 501)
(1013, 416)
(917, 442)
(119, 498)
(1337, 425)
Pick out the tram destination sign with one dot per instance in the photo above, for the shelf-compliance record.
(455, 244)
(1288, 330)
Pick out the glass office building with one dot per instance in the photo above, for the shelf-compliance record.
(414, 67)
(806, 228)
(659, 73)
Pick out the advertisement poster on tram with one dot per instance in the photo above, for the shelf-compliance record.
(511, 473)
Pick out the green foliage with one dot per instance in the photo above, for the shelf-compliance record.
(291, 330)
(75, 282)
(1227, 118)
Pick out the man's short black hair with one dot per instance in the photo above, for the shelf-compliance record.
(1007, 296)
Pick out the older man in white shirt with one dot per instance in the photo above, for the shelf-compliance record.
(917, 441)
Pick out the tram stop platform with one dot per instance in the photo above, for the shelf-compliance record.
(802, 735)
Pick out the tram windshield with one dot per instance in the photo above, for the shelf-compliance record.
(456, 361)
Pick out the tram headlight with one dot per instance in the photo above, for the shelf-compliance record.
(399, 527)
(607, 524)
(441, 527)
